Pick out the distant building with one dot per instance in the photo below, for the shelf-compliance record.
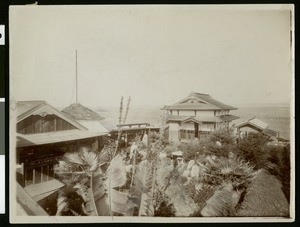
(44, 134)
(197, 115)
(255, 125)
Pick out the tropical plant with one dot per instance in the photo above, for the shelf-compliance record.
(233, 170)
(255, 150)
(163, 206)
(222, 203)
(76, 169)
(70, 203)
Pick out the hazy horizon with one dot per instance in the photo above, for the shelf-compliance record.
(156, 54)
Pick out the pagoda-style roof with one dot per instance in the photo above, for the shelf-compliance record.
(80, 112)
(198, 101)
(89, 118)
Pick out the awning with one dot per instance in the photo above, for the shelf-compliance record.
(54, 137)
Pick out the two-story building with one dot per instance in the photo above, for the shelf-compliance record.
(197, 115)
(43, 135)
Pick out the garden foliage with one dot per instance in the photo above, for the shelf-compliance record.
(146, 180)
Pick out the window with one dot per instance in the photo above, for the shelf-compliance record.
(39, 124)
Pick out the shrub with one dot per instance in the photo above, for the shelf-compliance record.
(282, 170)
(224, 135)
(255, 150)
(191, 150)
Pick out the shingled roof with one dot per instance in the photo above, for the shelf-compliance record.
(80, 112)
(198, 101)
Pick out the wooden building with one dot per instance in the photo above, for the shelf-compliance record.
(197, 115)
(130, 131)
(254, 125)
(44, 134)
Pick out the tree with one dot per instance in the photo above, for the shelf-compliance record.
(254, 149)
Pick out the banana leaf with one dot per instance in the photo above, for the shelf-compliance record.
(98, 203)
(116, 173)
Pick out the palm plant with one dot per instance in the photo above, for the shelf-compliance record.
(232, 170)
(255, 150)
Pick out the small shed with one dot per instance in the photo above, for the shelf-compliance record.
(254, 125)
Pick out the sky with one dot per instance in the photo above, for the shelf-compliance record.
(155, 54)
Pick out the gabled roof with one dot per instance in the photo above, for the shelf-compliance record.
(26, 108)
(192, 119)
(255, 123)
(198, 101)
(259, 125)
(80, 112)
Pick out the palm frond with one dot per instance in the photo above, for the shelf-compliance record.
(74, 158)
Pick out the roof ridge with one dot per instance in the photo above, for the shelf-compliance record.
(197, 93)
(42, 101)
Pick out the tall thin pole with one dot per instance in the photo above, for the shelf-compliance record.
(76, 80)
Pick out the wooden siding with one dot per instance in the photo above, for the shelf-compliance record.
(39, 124)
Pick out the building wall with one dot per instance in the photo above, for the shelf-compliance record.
(187, 112)
(187, 126)
(205, 113)
(247, 129)
(222, 112)
(193, 112)
(173, 131)
(202, 127)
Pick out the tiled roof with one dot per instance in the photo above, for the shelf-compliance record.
(210, 100)
(224, 118)
(193, 106)
(228, 117)
(254, 122)
(206, 103)
(259, 123)
(270, 132)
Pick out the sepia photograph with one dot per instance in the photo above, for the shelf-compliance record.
(151, 113)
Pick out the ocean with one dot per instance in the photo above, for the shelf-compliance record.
(278, 118)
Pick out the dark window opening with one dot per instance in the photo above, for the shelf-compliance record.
(39, 124)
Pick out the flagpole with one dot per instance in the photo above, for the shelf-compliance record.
(76, 80)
